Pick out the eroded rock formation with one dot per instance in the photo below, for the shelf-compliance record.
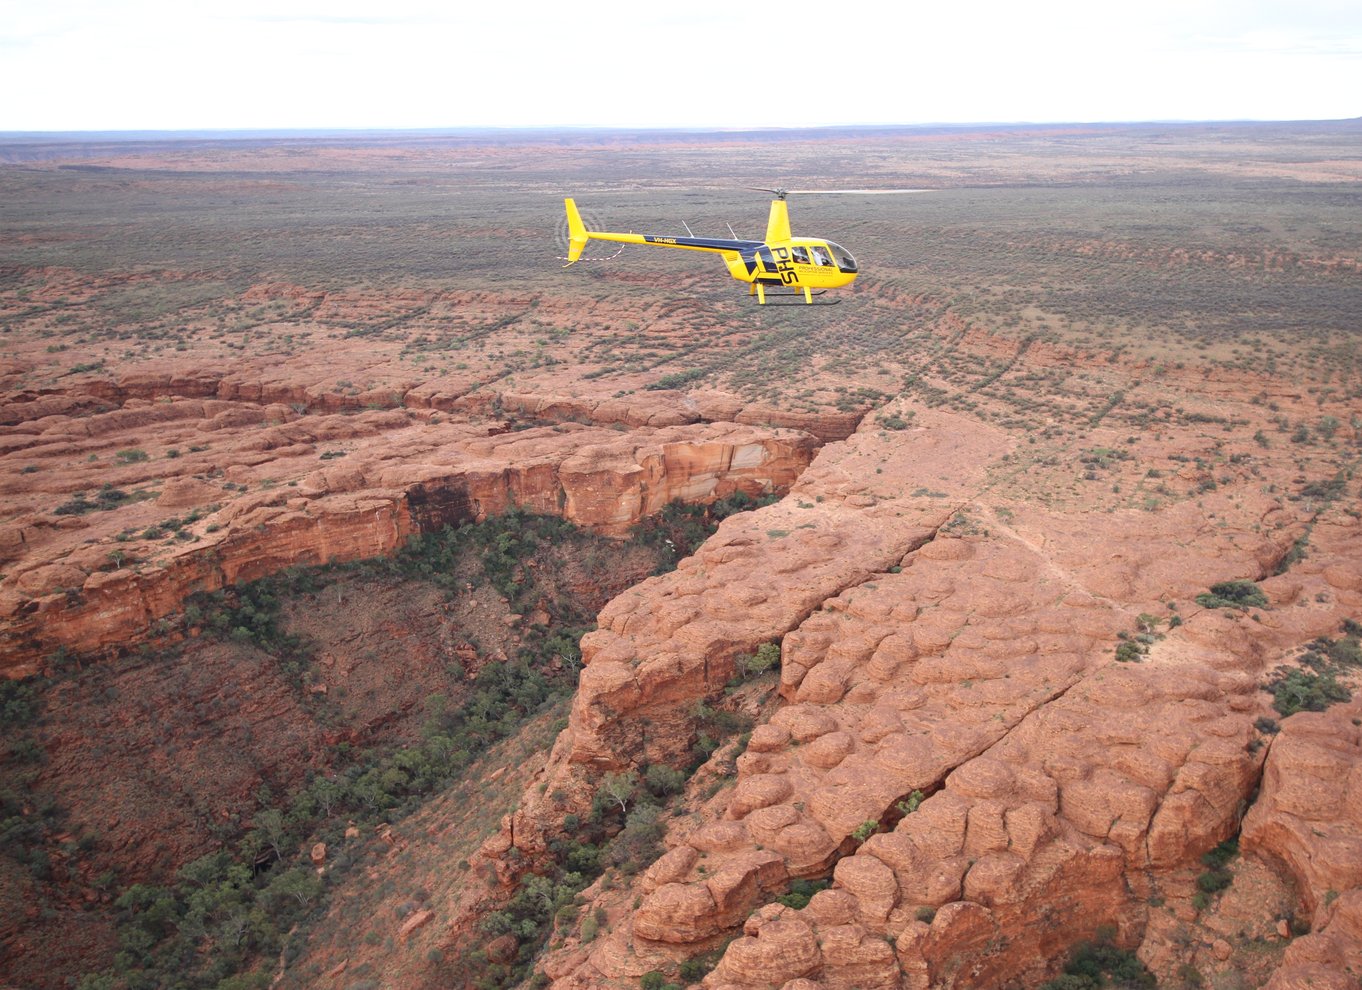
(941, 646)
(258, 499)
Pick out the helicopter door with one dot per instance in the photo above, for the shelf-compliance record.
(776, 261)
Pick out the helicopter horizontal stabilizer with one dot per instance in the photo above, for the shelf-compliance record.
(577, 235)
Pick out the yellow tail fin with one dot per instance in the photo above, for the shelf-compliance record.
(577, 235)
(778, 226)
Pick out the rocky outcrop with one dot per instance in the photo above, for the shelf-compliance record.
(971, 659)
(1308, 818)
(1308, 823)
(1080, 813)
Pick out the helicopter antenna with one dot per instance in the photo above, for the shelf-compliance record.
(687, 226)
(732, 231)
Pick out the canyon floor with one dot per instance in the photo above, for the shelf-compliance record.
(1056, 537)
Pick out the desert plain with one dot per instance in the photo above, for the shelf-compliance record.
(384, 605)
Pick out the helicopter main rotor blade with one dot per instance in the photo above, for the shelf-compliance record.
(855, 192)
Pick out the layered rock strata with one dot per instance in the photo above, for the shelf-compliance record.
(75, 582)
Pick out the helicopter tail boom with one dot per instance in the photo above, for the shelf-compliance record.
(578, 235)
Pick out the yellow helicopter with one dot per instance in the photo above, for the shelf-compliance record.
(791, 265)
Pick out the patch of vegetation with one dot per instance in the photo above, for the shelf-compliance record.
(801, 892)
(895, 422)
(715, 725)
(1239, 594)
(679, 529)
(251, 614)
(1100, 963)
(20, 703)
(108, 497)
(1294, 554)
(696, 968)
(1325, 491)
(623, 831)
(1133, 647)
(677, 379)
(1295, 689)
(1217, 877)
(866, 829)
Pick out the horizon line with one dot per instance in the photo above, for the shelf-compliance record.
(237, 132)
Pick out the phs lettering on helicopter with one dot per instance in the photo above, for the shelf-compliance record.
(807, 265)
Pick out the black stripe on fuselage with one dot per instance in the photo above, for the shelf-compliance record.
(713, 243)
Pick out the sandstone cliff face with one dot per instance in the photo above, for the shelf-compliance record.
(259, 500)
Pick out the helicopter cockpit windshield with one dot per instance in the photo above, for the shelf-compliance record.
(844, 259)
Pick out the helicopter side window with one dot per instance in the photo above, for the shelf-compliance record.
(800, 255)
(820, 255)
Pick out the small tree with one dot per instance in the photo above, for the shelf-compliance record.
(662, 780)
(272, 828)
(620, 787)
(753, 664)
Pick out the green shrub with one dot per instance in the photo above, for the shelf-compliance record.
(1213, 881)
(865, 830)
(1129, 652)
(1295, 690)
(801, 892)
(911, 803)
(696, 968)
(1233, 594)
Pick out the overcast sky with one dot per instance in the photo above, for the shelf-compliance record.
(184, 64)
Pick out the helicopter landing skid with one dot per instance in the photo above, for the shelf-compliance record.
(805, 298)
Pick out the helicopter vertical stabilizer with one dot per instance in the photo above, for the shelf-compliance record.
(577, 235)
